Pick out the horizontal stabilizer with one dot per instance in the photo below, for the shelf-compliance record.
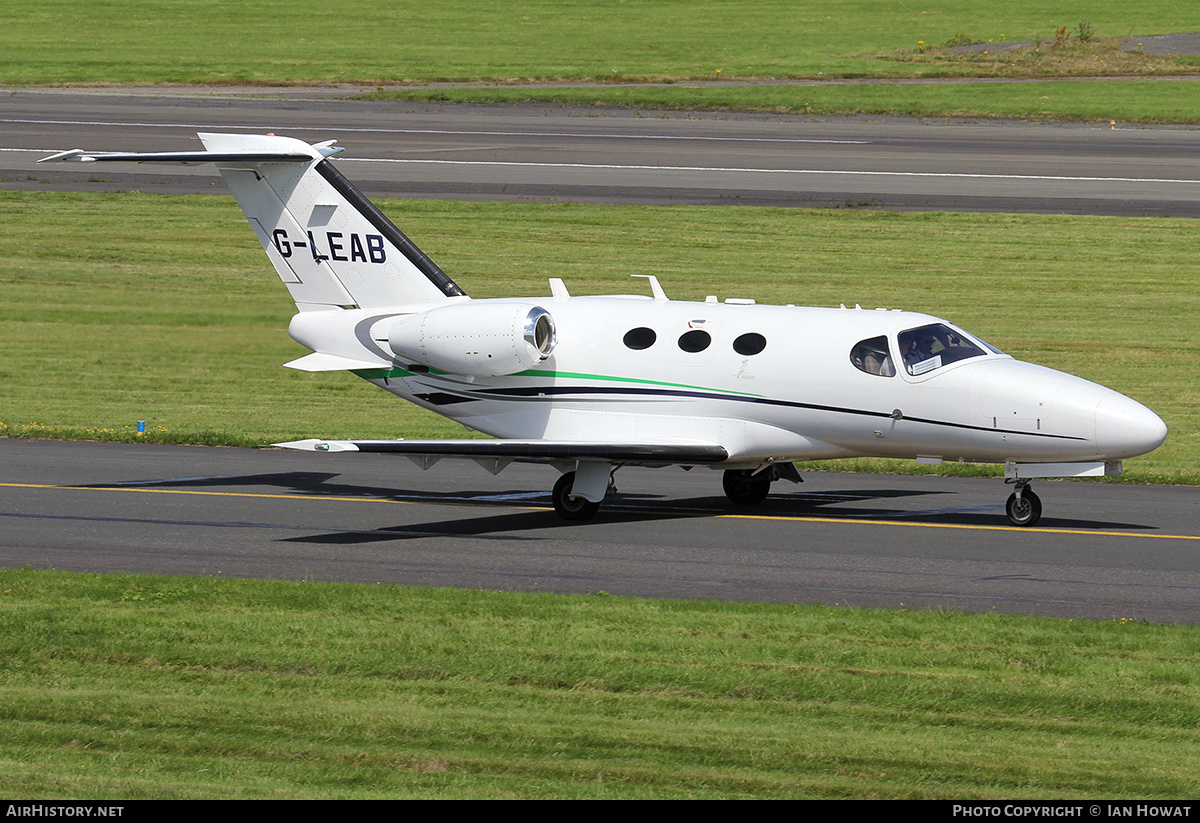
(184, 157)
(661, 452)
(318, 361)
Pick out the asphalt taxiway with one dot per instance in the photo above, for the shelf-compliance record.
(557, 154)
(1102, 551)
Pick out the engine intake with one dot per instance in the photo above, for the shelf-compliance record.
(476, 338)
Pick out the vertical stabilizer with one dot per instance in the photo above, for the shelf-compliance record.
(330, 245)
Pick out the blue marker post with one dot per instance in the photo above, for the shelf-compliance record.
(141, 427)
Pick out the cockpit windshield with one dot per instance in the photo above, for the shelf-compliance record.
(930, 347)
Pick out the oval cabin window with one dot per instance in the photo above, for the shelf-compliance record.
(694, 340)
(750, 343)
(640, 338)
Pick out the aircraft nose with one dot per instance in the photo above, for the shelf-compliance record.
(1126, 428)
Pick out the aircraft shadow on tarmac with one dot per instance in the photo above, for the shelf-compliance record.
(850, 505)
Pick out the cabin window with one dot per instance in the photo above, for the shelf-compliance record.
(695, 340)
(749, 343)
(640, 338)
(931, 347)
(873, 357)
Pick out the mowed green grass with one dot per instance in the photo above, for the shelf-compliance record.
(221, 42)
(128, 687)
(1124, 101)
(298, 41)
(120, 308)
(304, 41)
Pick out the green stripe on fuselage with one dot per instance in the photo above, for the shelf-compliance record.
(640, 381)
(397, 371)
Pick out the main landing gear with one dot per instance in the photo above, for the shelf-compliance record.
(749, 487)
(567, 505)
(745, 488)
(1024, 508)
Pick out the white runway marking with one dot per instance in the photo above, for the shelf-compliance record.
(737, 170)
(611, 167)
(592, 135)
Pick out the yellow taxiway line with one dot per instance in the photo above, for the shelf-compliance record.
(779, 517)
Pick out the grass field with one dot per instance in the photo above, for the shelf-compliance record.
(220, 41)
(1125, 101)
(125, 323)
(128, 687)
(614, 42)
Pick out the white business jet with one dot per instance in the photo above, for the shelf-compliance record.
(591, 384)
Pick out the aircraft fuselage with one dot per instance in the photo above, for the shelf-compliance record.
(773, 383)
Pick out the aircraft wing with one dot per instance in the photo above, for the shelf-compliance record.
(687, 452)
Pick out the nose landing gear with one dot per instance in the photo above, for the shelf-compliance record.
(1024, 508)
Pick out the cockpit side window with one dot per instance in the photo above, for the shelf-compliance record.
(873, 357)
(931, 347)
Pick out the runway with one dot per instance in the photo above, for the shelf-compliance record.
(1102, 551)
(621, 156)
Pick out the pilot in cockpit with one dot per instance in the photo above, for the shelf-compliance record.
(909, 353)
(924, 343)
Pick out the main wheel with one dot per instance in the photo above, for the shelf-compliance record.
(567, 505)
(1026, 511)
(745, 488)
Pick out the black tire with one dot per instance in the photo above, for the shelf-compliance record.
(744, 488)
(1026, 511)
(568, 506)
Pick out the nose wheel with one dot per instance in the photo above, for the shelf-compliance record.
(1024, 507)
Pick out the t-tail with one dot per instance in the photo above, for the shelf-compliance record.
(330, 245)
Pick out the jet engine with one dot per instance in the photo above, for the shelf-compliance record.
(476, 337)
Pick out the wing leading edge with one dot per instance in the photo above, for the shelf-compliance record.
(658, 453)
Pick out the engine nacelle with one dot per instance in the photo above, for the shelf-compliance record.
(476, 337)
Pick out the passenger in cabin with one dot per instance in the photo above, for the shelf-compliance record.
(873, 357)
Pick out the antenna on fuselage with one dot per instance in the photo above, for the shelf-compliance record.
(655, 287)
